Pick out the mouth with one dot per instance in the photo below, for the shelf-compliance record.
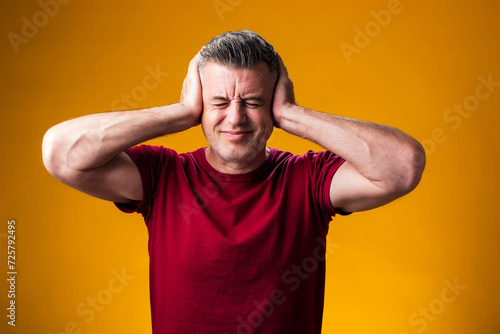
(235, 135)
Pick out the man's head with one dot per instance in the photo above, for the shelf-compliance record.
(238, 73)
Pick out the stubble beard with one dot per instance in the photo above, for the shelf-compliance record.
(244, 152)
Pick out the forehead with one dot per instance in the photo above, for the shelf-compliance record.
(230, 82)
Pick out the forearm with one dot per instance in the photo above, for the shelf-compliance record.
(384, 155)
(91, 141)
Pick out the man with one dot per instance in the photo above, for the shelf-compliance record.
(236, 230)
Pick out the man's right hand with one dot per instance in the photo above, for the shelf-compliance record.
(191, 96)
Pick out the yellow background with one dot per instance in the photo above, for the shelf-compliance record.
(388, 265)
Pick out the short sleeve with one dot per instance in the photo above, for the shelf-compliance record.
(323, 166)
(149, 161)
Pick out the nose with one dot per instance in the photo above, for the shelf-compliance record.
(236, 113)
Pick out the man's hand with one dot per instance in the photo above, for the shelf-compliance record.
(284, 96)
(191, 96)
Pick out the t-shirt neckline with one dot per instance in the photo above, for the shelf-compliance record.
(201, 157)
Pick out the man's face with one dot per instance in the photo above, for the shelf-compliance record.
(236, 119)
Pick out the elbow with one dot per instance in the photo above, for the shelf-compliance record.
(412, 166)
(51, 156)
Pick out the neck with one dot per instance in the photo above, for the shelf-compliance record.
(235, 166)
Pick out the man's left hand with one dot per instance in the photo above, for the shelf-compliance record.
(284, 96)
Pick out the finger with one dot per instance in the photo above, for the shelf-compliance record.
(192, 76)
(283, 70)
(195, 62)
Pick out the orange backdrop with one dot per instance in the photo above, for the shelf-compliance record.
(425, 263)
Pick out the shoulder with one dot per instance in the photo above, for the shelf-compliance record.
(149, 150)
(151, 154)
(310, 157)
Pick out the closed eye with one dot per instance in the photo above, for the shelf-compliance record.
(252, 105)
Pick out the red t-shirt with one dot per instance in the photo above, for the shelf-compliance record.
(235, 254)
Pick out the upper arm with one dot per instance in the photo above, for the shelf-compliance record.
(351, 192)
(118, 180)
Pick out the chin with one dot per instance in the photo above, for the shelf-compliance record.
(237, 152)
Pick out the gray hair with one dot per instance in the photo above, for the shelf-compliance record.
(240, 49)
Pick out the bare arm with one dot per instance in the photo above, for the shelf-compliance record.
(87, 153)
(382, 163)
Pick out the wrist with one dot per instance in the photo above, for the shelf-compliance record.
(291, 119)
(171, 118)
(188, 114)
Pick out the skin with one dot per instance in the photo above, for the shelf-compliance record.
(237, 119)
(382, 163)
(237, 109)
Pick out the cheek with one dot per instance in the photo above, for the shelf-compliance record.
(264, 118)
(269, 123)
(210, 118)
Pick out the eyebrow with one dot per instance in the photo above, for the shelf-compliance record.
(246, 98)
